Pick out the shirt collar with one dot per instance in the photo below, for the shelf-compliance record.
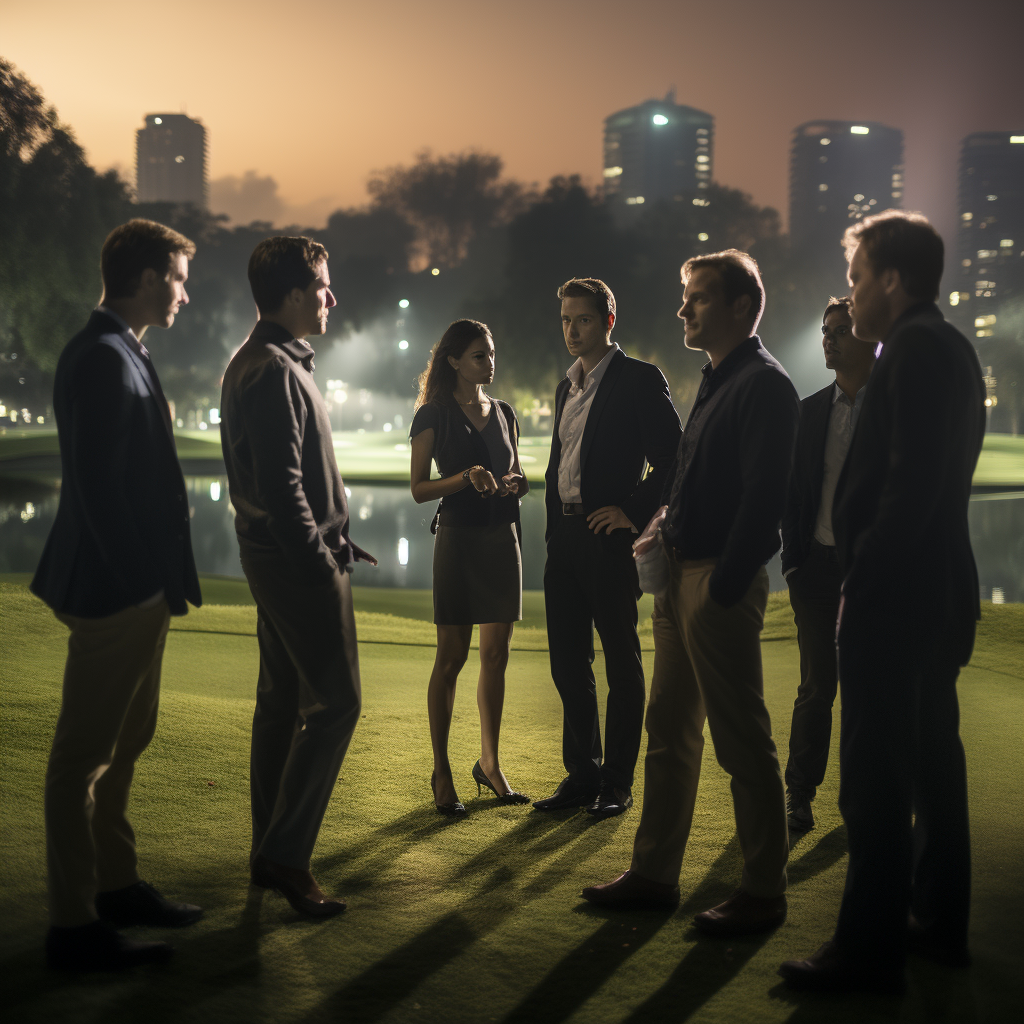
(300, 350)
(125, 329)
(857, 398)
(739, 354)
(595, 375)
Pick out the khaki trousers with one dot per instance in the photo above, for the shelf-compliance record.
(707, 664)
(107, 718)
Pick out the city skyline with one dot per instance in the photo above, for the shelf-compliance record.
(373, 88)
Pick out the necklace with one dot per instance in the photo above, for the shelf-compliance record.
(479, 402)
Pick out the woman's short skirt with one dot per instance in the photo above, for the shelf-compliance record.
(478, 575)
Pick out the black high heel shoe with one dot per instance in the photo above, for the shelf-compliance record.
(511, 797)
(455, 810)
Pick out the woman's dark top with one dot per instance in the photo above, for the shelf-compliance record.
(458, 445)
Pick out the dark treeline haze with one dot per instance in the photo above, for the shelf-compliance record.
(447, 233)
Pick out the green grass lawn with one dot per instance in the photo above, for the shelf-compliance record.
(472, 921)
(378, 457)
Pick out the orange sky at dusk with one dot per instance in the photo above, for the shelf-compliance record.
(318, 94)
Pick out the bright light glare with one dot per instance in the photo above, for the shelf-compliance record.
(403, 551)
(954, 298)
(403, 303)
(158, 120)
(703, 236)
(215, 491)
(435, 271)
(825, 142)
(859, 129)
(1017, 138)
(660, 119)
(403, 344)
(215, 415)
(340, 397)
(612, 172)
(387, 428)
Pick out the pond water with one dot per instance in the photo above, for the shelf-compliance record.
(389, 524)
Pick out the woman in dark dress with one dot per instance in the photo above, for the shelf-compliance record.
(477, 568)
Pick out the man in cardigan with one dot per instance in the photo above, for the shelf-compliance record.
(292, 523)
(117, 565)
(613, 416)
(809, 563)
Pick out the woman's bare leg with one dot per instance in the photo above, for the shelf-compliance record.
(452, 651)
(495, 638)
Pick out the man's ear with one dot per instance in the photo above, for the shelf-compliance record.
(891, 280)
(611, 321)
(741, 308)
(147, 279)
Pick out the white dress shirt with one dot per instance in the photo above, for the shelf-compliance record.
(841, 421)
(582, 389)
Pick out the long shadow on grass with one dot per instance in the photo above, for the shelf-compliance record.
(380, 988)
(591, 964)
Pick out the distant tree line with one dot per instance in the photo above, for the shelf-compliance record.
(448, 233)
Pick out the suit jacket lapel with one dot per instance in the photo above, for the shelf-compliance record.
(604, 389)
(152, 382)
(819, 431)
(556, 445)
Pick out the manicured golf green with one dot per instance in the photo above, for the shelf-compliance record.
(378, 457)
(478, 920)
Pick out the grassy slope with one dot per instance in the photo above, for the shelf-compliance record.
(473, 921)
(384, 457)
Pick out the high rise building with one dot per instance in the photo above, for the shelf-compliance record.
(656, 151)
(990, 236)
(839, 173)
(170, 160)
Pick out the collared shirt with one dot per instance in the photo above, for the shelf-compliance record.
(841, 421)
(582, 389)
(123, 324)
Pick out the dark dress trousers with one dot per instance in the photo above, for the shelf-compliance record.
(813, 577)
(907, 623)
(121, 535)
(291, 518)
(590, 579)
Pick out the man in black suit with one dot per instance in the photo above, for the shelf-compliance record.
(720, 528)
(118, 563)
(809, 563)
(291, 518)
(906, 621)
(613, 416)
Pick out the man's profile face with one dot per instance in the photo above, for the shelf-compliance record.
(167, 292)
(706, 316)
(870, 301)
(837, 340)
(317, 299)
(584, 327)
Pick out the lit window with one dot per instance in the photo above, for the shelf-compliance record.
(985, 321)
(631, 201)
(825, 142)
(859, 129)
(639, 200)
(435, 271)
(858, 198)
(897, 195)
(965, 263)
(987, 254)
(954, 298)
(823, 188)
(991, 199)
(660, 119)
(1017, 138)
(967, 216)
(158, 120)
(1006, 243)
(702, 131)
(612, 172)
(983, 334)
(703, 236)
(702, 159)
(179, 159)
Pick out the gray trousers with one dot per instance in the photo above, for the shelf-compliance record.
(307, 702)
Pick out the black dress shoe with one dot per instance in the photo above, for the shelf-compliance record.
(631, 891)
(923, 942)
(799, 816)
(142, 904)
(97, 947)
(296, 885)
(828, 970)
(743, 914)
(454, 810)
(570, 793)
(610, 801)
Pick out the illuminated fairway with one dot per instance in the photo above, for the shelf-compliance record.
(471, 921)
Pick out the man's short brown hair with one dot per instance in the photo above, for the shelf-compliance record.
(590, 288)
(136, 246)
(279, 264)
(841, 305)
(905, 242)
(739, 274)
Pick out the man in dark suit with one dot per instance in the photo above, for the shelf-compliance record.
(906, 620)
(613, 416)
(291, 518)
(809, 563)
(118, 563)
(720, 528)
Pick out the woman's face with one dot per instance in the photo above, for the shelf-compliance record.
(476, 364)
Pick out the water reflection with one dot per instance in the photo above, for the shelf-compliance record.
(389, 524)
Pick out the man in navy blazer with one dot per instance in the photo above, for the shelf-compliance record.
(613, 417)
(118, 563)
(809, 562)
(907, 620)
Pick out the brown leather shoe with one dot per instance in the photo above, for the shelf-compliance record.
(631, 891)
(743, 914)
(296, 885)
(828, 970)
